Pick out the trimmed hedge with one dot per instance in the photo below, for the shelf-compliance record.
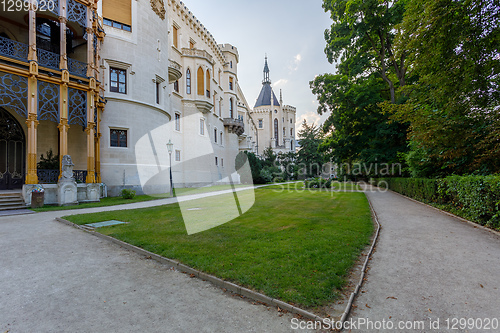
(473, 197)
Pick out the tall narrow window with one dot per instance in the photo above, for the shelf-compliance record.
(177, 122)
(202, 126)
(221, 138)
(220, 107)
(261, 123)
(231, 63)
(158, 90)
(177, 155)
(231, 108)
(118, 80)
(175, 36)
(201, 84)
(284, 133)
(208, 83)
(191, 45)
(276, 131)
(230, 83)
(215, 135)
(291, 131)
(188, 82)
(176, 87)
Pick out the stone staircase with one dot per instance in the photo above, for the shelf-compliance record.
(11, 200)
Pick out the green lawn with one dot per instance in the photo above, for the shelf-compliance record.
(292, 245)
(112, 201)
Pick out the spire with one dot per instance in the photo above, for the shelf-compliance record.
(266, 73)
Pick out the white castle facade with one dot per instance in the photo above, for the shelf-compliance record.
(150, 73)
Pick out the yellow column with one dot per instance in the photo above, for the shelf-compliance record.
(90, 138)
(98, 145)
(63, 124)
(32, 122)
(90, 43)
(63, 59)
(32, 32)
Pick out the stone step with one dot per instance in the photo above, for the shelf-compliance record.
(10, 198)
(12, 207)
(11, 203)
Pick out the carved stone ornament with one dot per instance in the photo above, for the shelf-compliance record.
(159, 8)
(67, 168)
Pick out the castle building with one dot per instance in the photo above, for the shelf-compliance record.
(275, 121)
(110, 83)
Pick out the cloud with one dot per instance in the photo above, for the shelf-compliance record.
(280, 82)
(295, 63)
(310, 118)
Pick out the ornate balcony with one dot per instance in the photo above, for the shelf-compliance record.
(77, 68)
(174, 71)
(48, 59)
(234, 125)
(12, 49)
(198, 54)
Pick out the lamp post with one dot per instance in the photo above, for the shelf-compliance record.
(170, 148)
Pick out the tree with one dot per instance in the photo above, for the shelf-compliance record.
(453, 107)
(357, 130)
(362, 38)
(308, 156)
(288, 164)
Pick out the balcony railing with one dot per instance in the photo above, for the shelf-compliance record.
(197, 53)
(48, 59)
(234, 125)
(76, 67)
(12, 49)
(19, 51)
(46, 176)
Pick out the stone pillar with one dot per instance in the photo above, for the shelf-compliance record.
(32, 122)
(90, 130)
(32, 32)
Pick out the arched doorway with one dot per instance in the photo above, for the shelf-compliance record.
(12, 152)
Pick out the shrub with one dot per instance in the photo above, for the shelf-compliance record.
(128, 194)
(473, 197)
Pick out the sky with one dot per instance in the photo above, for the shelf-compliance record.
(290, 32)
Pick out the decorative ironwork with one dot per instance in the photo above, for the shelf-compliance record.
(48, 101)
(11, 48)
(76, 67)
(47, 58)
(46, 176)
(14, 93)
(12, 152)
(80, 176)
(77, 13)
(77, 107)
(54, 7)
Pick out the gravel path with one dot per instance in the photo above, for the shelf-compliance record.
(428, 266)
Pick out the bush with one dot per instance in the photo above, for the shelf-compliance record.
(128, 194)
(318, 183)
(474, 197)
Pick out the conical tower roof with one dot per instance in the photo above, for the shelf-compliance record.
(266, 93)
